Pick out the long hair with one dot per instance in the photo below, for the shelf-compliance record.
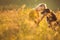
(41, 4)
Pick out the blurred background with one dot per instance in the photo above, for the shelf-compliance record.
(52, 4)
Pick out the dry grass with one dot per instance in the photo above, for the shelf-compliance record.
(15, 25)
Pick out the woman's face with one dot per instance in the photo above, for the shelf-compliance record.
(41, 8)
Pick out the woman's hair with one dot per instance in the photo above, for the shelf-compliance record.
(42, 4)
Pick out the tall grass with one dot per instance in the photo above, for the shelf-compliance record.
(15, 25)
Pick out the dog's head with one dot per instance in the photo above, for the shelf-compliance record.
(45, 11)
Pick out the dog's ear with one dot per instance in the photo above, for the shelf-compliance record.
(45, 11)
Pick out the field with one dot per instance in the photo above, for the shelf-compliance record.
(15, 25)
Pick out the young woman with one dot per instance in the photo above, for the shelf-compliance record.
(35, 14)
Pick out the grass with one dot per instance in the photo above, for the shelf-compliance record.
(15, 25)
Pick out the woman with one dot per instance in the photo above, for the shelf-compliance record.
(35, 14)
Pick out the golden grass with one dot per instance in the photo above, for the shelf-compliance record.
(15, 25)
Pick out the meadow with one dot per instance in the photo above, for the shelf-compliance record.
(15, 25)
